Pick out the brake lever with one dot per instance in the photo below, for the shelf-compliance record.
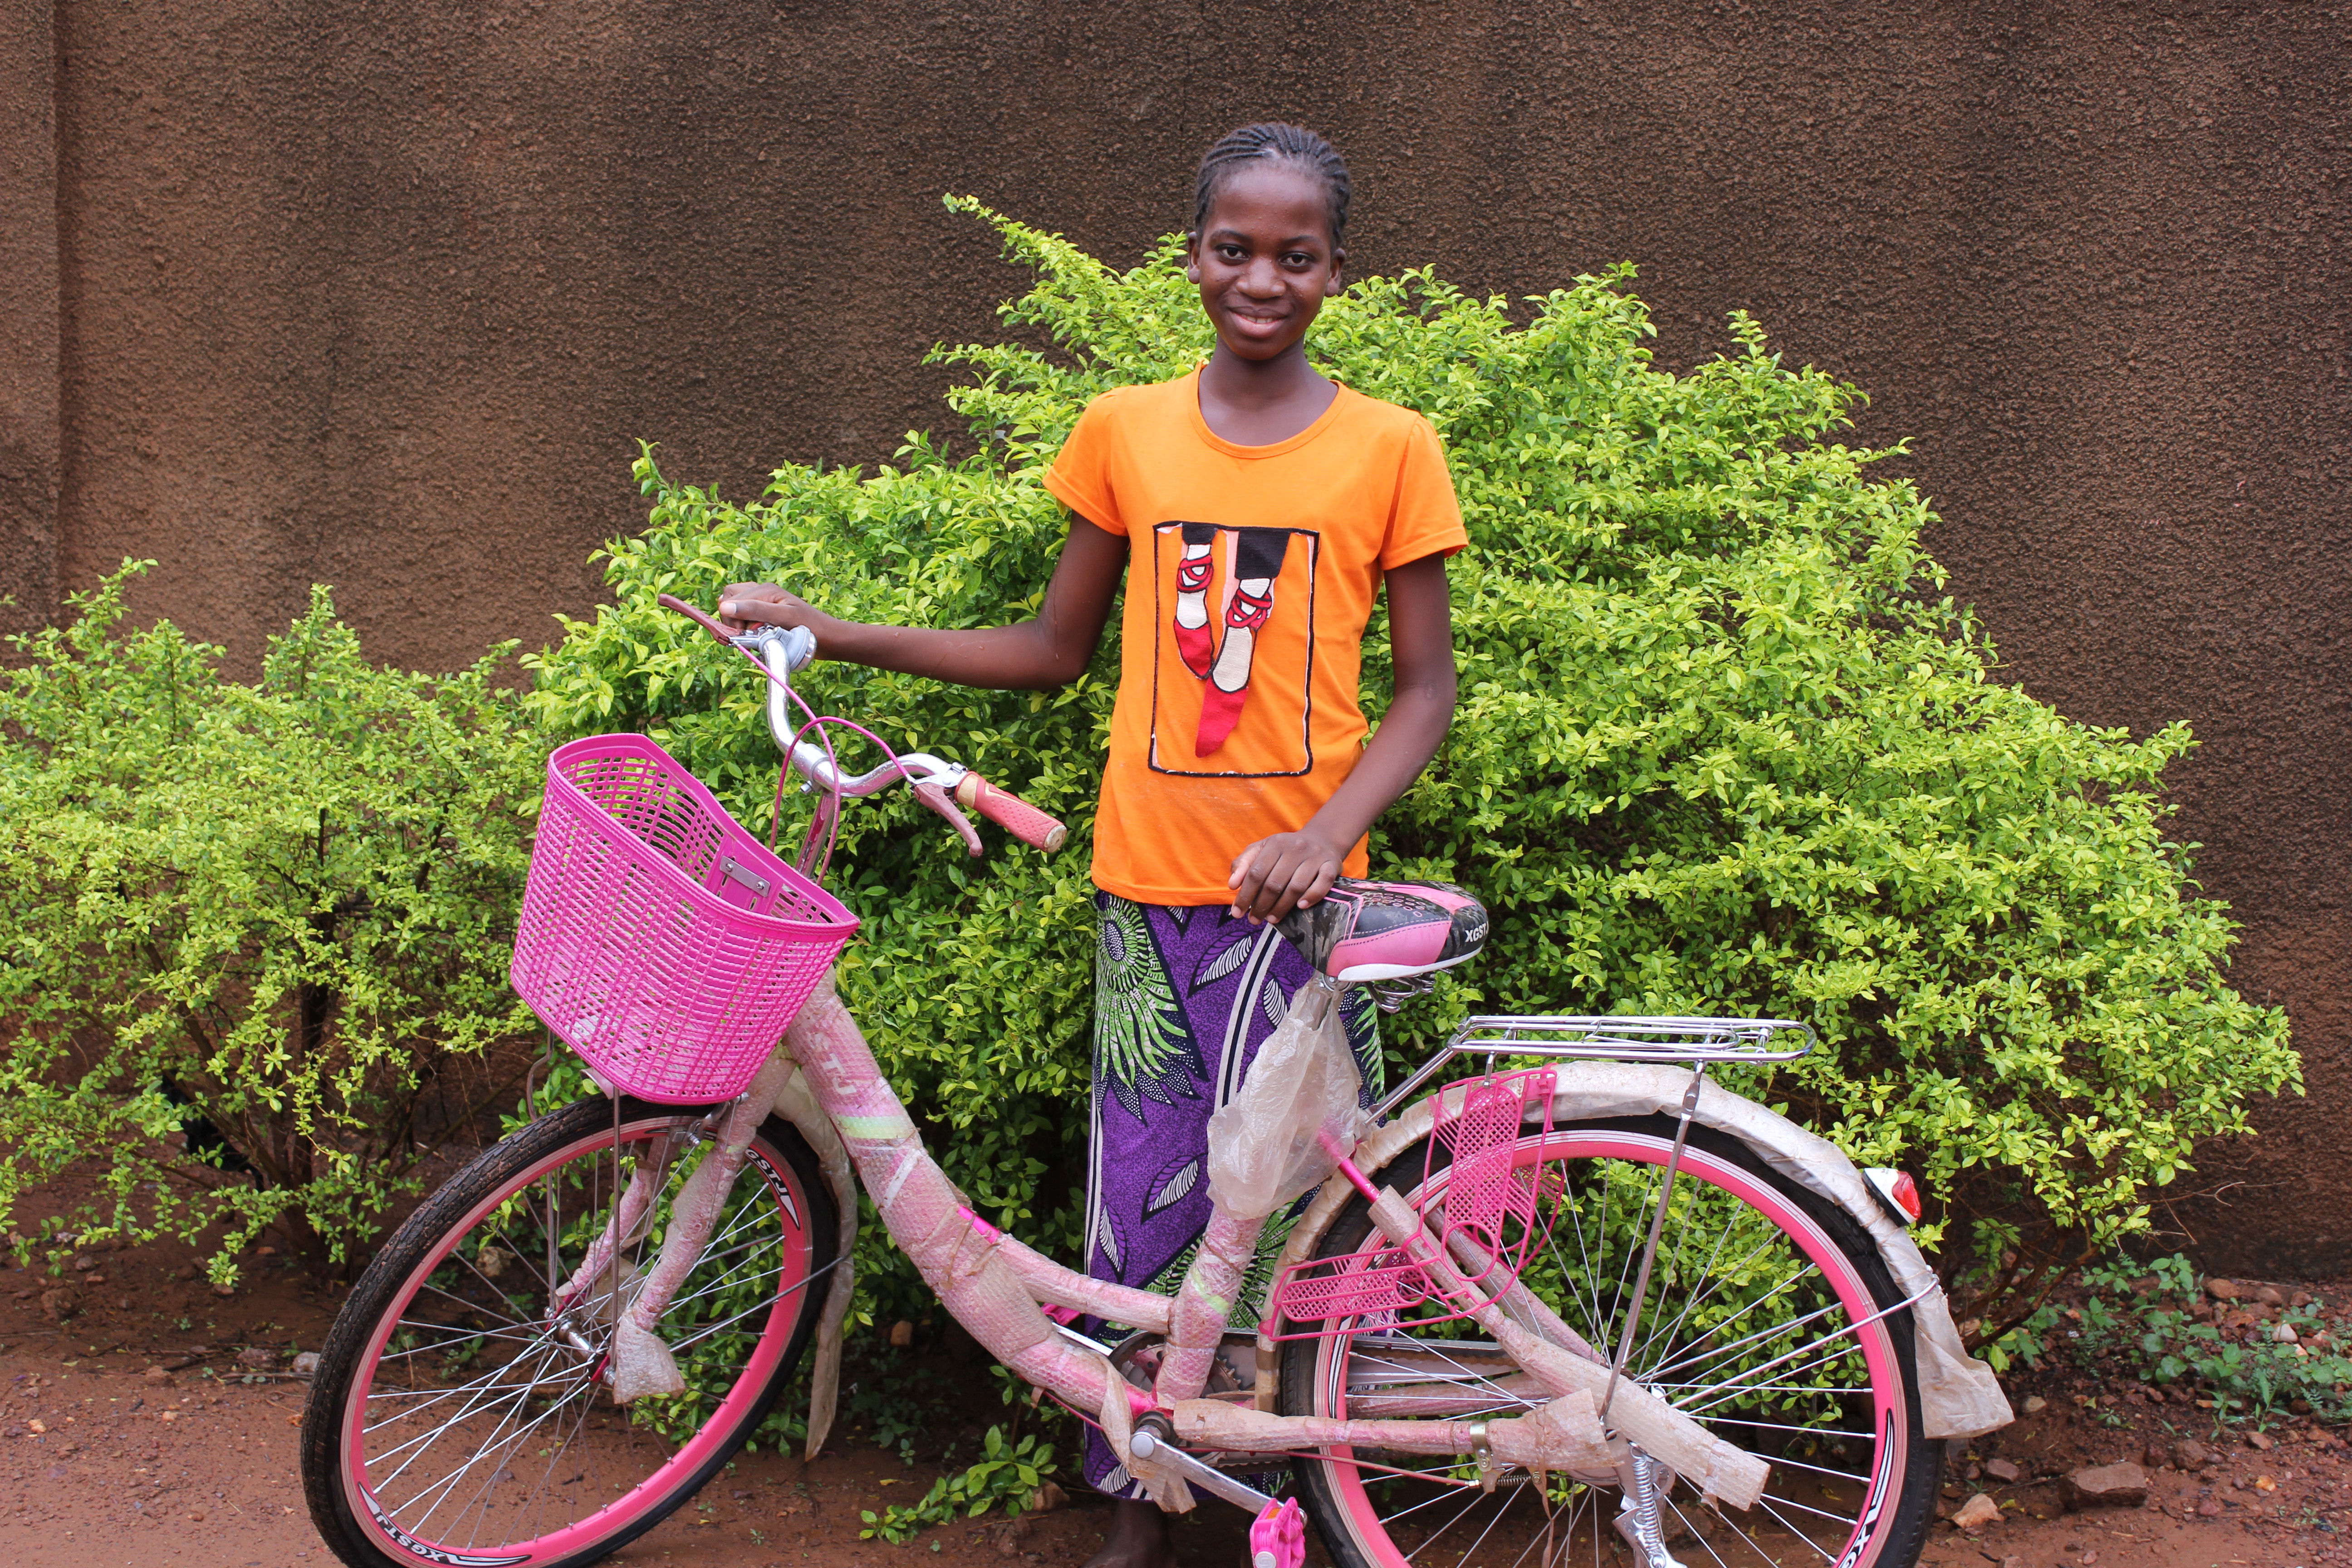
(938, 799)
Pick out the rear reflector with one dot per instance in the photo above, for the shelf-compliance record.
(1897, 1190)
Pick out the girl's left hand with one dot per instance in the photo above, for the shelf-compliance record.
(1283, 872)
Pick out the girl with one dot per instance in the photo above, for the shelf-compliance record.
(1256, 508)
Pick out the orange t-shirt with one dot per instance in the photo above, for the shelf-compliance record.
(1251, 573)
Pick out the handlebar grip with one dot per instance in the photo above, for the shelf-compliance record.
(1009, 811)
(671, 601)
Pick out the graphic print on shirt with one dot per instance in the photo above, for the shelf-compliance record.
(1231, 687)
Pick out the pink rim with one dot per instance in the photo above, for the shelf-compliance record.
(714, 1432)
(1885, 1378)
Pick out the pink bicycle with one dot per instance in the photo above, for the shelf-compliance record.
(1579, 1292)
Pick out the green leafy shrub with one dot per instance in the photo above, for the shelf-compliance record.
(279, 912)
(2131, 1322)
(1722, 748)
(1006, 1472)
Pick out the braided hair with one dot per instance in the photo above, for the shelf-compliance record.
(1294, 144)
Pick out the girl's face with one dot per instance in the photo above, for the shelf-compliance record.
(1264, 258)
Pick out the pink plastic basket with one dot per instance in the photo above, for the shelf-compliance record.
(658, 939)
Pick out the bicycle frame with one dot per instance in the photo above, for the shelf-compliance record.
(996, 1286)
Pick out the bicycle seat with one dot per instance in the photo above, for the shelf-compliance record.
(1387, 930)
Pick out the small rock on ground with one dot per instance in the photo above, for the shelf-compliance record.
(2107, 1485)
(1976, 1512)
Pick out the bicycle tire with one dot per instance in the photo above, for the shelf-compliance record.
(1610, 1167)
(776, 1237)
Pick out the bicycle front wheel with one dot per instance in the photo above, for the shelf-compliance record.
(460, 1413)
(1767, 1321)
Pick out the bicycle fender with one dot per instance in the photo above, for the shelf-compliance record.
(797, 1105)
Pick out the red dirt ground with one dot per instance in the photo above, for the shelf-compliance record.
(103, 1462)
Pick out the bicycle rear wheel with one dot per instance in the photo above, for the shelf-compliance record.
(453, 1420)
(1767, 1321)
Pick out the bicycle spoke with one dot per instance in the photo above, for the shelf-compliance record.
(1666, 1330)
(1673, 1267)
(1853, 1329)
(1737, 1387)
(449, 1484)
(715, 1286)
(1766, 1504)
(1843, 1519)
(1625, 1273)
(561, 1448)
(1452, 1485)
(1808, 1431)
(1491, 1523)
(813, 1276)
(516, 1399)
(1695, 1532)
(1782, 1461)
(1721, 1281)
(1671, 1367)
(453, 1334)
(487, 1379)
(1439, 1532)
(516, 1396)
(469, 1306)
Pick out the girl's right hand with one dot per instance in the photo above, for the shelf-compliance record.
(743, 606)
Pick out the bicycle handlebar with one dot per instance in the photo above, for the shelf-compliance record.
(1010, 812)
(777, 651)
(670, 602)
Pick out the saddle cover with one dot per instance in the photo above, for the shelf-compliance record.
(1365, 930)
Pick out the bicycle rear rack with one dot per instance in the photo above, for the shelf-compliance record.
(1691, 1042)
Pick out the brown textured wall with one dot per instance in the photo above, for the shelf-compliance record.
(378, 295)
(28, 318)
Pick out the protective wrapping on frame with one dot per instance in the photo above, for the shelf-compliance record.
(928, 1218)
(1563, 1434)
(1265, 1147)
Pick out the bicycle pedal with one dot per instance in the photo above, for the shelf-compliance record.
(1278, 1536)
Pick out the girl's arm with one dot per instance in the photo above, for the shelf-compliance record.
(1051, 650)
(1280, 873)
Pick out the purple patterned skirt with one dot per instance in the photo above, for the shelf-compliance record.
(1184, 994)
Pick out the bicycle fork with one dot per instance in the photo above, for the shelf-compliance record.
(637, 1362)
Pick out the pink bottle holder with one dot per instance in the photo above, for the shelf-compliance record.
(1490, 1201)
(659, 940)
